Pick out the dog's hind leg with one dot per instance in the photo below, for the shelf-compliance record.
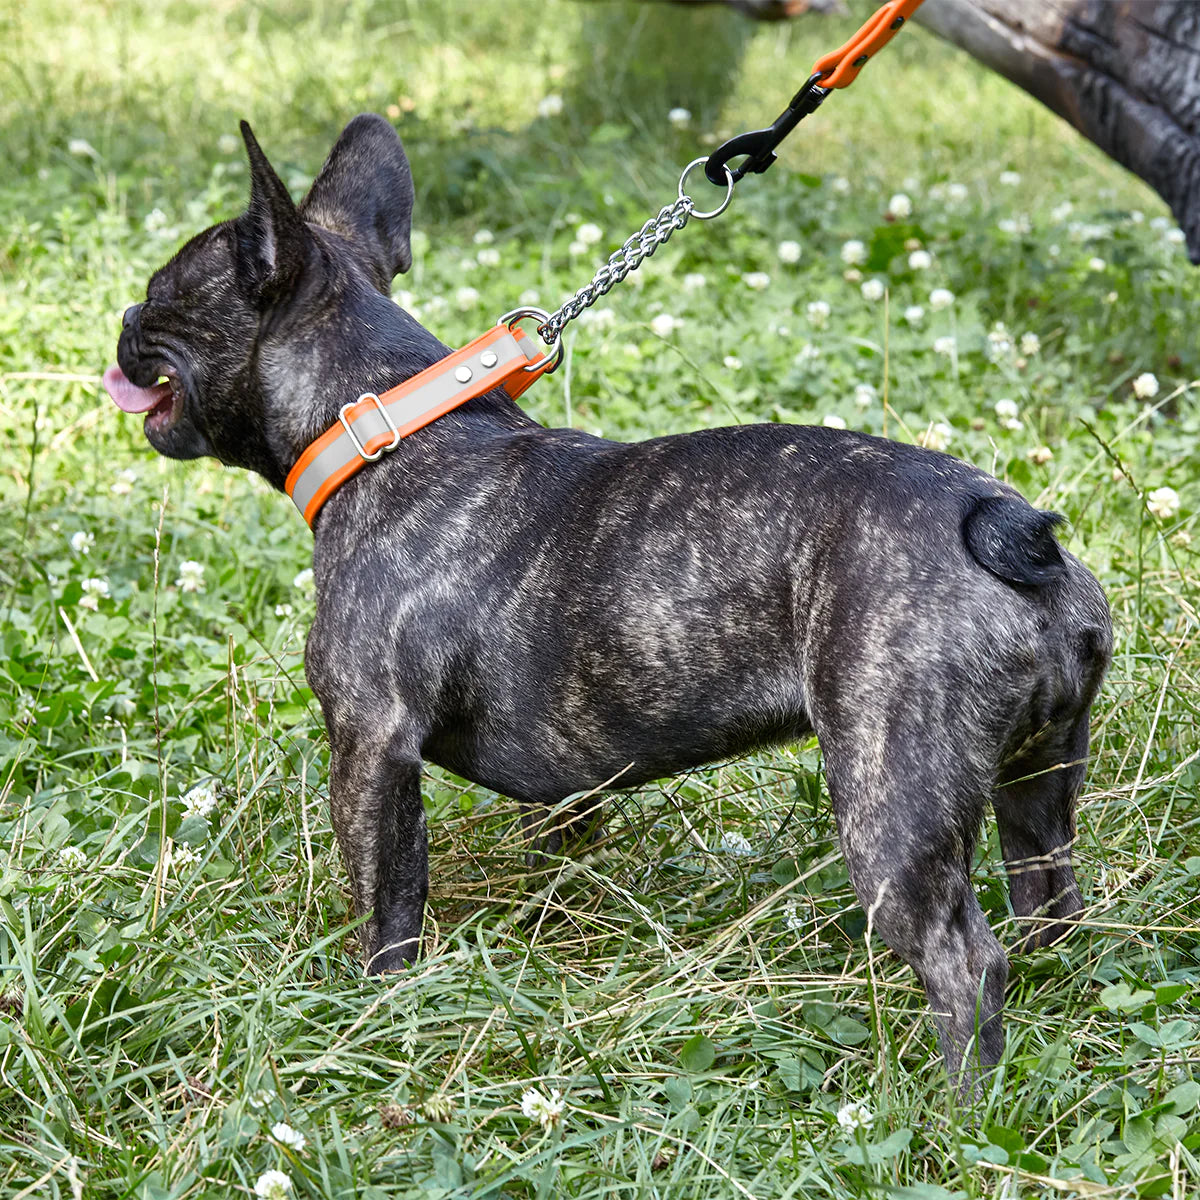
(1035, 811)
(553, 830)
(908, 821)
(379, 819)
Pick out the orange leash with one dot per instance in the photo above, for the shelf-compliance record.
(840, 68)
(837, 69)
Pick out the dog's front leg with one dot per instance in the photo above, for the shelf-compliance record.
(379, 819)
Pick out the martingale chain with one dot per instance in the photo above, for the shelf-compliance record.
(635, 250)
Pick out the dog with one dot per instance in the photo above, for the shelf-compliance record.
(542, 611)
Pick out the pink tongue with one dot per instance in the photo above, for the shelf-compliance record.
(130, 398)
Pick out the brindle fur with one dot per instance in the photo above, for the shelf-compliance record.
(540, 610)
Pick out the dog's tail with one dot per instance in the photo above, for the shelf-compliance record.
(1014, 541)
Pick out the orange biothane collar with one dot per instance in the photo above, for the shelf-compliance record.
(372, 425)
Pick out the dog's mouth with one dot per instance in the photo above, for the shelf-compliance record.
(161, 403)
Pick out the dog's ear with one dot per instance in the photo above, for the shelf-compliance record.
(365, 193)
(271, 236)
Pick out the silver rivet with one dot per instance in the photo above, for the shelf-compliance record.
(463, 374)
(488, 359)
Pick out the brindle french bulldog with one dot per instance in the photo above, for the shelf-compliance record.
(541, 611)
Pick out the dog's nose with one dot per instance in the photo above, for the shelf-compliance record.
(131, 315)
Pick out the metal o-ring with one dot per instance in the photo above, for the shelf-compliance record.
(729, 181)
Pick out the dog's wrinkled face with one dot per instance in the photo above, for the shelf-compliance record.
(195, 356)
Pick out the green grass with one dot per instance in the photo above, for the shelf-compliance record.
(705, 1013)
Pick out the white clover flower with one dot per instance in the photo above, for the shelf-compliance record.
(284, 1133)
(1111, 298)
(228, 144)
(273, 1185)
(1006, 409)
(547, 1111)
(900, 206)
(1176, 237)
(82, 542)
(792, 920)
(1040, 455)
(483, 237)
(529, 296)
(935, 437)
(599, 318)
(920, 260)
(94, 590)
(1060, 212)
(940, 298)
(304, 581)
(71, 858)
(872, 289)
(1000, 345)
(1030, 344)
(1097, 264)
(489, 256)
(155, 220)
(1010, 178)
(261, 1098)
(818, 313)
(25, 710)
(806, 354)
(732, 362)
(1136, 216)
(758, 280)
(840, 184)
(854, 253)
(589, 233)
(283, 610)
(125, 481)
(1145, 386)
(576, 248)
(191, 576)
(550, 106)
(914, 314)
(693, 281)
(865, 395)
(1014, 225)
(180, 856)
(833, 421)
(466, 297)
(200, 801)
(853, 1116)
(956, 192)
(736, 844)
(1163, 502)
(665, 324)
(81, 148)
(681, 118)
(1161, 224)
(789, 252)
(946, 345)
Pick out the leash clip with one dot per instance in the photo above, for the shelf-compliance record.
(759, 145)
(354, 441)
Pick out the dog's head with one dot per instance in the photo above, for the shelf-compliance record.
(243, 311)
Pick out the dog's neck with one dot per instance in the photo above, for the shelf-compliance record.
(381, 347)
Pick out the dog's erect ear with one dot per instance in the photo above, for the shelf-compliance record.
(365, 193)
(271, 236)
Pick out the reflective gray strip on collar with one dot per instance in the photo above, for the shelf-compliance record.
(406, 408)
